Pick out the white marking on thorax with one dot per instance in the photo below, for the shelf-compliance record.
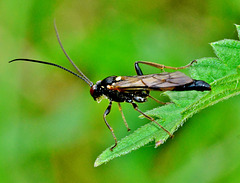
(118, 78)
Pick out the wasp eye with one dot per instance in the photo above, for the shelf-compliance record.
(92, 90)
(95, 91)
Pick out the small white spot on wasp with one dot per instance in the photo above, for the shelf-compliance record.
(105, 96)
(98, 82)
(118, 78)
(99, 99)
(114, 84)
(108, 86)
(102, 86)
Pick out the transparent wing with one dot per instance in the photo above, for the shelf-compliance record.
(163, 81)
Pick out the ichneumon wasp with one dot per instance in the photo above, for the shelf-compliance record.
(132, 89)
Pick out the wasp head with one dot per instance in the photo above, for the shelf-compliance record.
(96, 91)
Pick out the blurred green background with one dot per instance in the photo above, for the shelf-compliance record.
(51, 130)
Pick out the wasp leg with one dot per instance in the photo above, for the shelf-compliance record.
(151, 119)
(137, 68)
(158, 101)
(107, 111)
(123, 117)
(160, 66)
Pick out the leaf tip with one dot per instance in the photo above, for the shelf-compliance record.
(98, 162)
(213, 43)
(104, 157)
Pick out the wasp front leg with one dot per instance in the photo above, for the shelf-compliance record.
(107, 111)
(123, 117)
(160, 66)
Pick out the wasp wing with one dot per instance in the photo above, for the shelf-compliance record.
(162, 81)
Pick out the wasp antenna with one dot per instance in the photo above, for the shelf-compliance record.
(90, 83)
(48, 63)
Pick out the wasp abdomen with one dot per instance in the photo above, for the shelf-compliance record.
(197, 85)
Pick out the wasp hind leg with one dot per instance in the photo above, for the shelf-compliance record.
(123, 117)
(158, 101)
(151, 119)
(107, 111)
(160, 66)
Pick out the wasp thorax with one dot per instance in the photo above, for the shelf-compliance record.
(96, 91)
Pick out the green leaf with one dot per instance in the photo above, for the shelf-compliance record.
(222, 73)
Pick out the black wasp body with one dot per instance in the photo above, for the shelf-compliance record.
(132, 89)
(137, 88)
